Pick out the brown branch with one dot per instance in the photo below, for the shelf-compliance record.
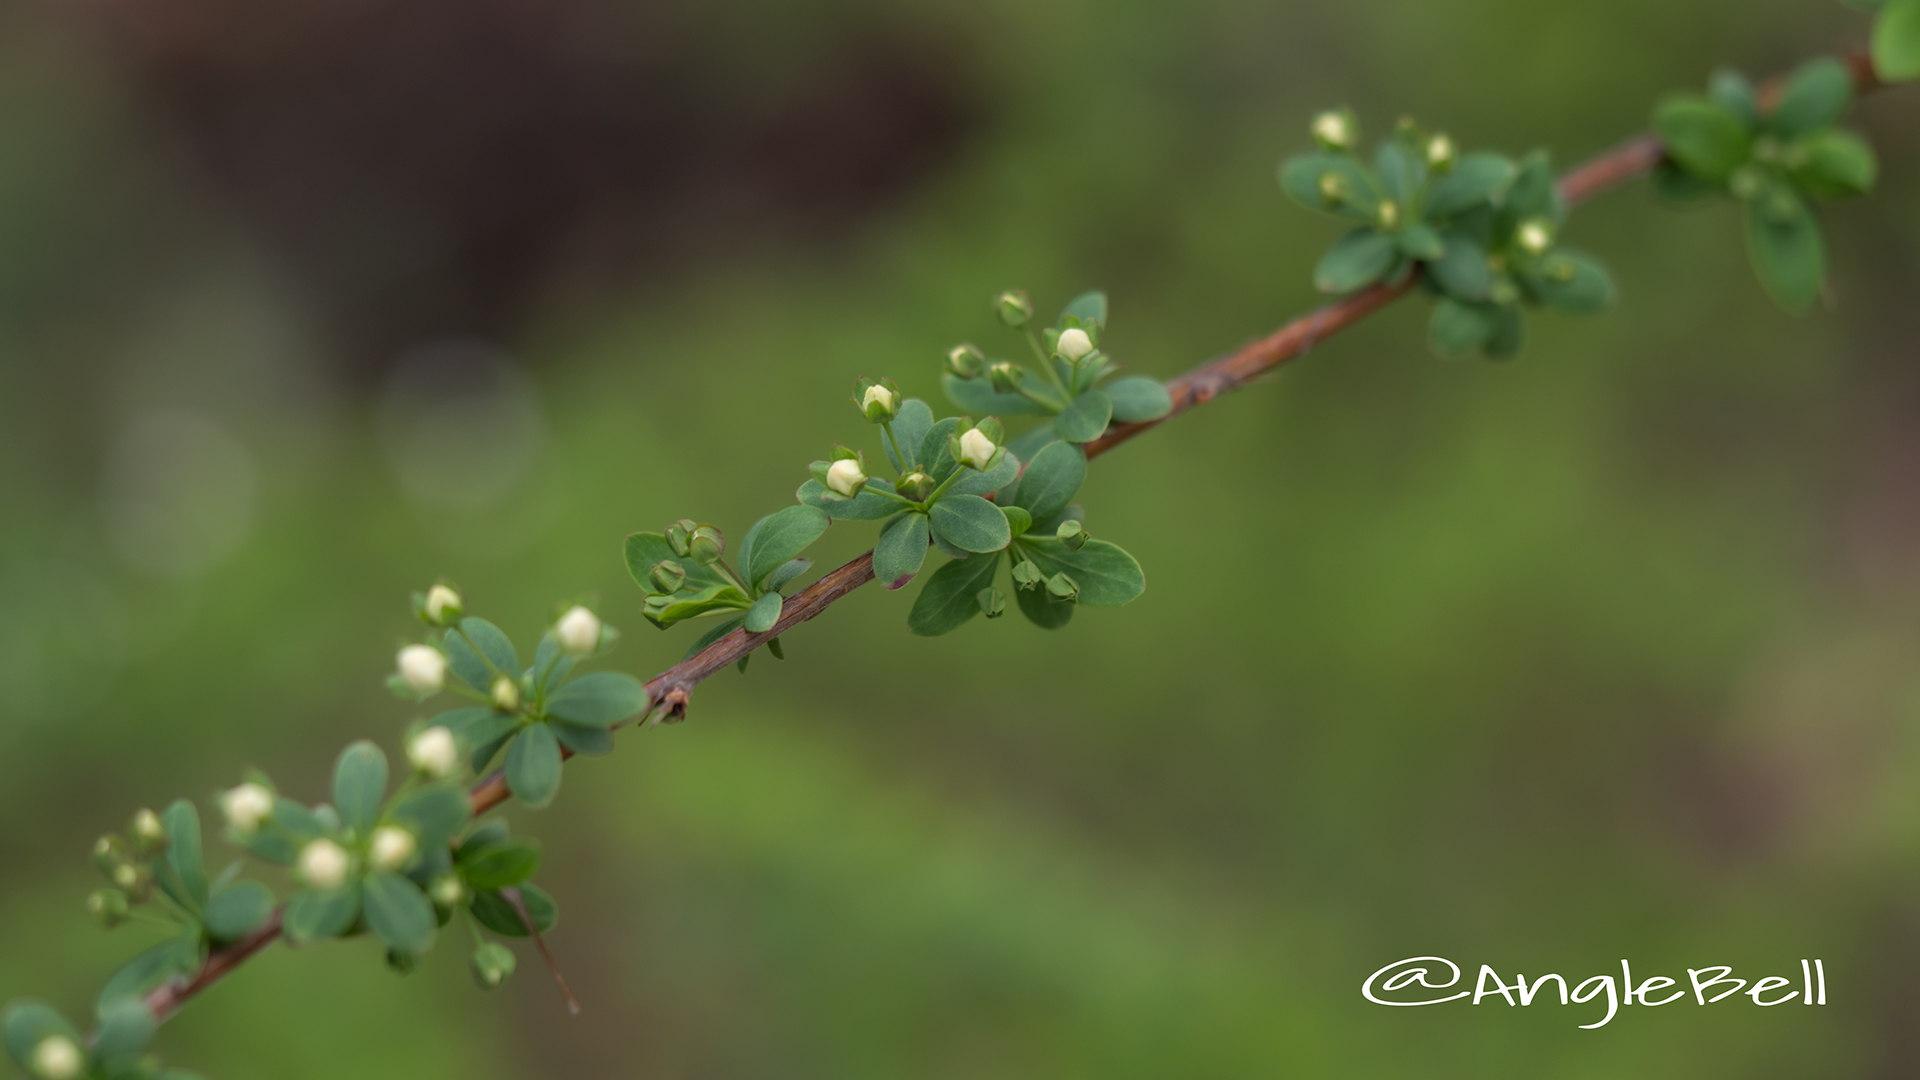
(668, 692)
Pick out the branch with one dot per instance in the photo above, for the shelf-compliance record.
(669, 691)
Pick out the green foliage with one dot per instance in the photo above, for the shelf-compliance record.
(1478, 230)
(1774, 162)
(1896, 41)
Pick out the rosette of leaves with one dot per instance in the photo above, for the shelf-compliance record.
(686, 581)
(1896, 38)
(1776, 161)
(1072, 387)
(44, 1045)
(1053, 565)
(549, 706)
(1476, 227)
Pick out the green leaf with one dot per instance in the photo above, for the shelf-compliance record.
(1706, 138)
(1509, 332)
(947, 601)
(176, 956)
(1475, 179)
(1041, 609)
(1461, 270)
(1833, 165)
(360, 785)
(1300, 179)
(1675, 182)
(1402, 172)
(1361, 258)
(435, 815)
(125, 1027)
(591, 740)
(238, 910)
(692, 605)
(1896, 41)
(499, 916)
(969, 523)
(1051, 480)
(788, 570)
(29, 1023)
(936, 456)
(604, 697)
(1573, 283)
(866, 506)
(644, 549)
(779, 538)
(493, 645)
(1421, 242)
(763, 614)
(1108, 576)
(313, 915)
(399, 913)
(901, 549)
(1816, 96)
(1137, 397)
(909, 427)
(715, 634)
(550, 664)
(1535, 192)
(1086, 418)
(183, 852)
(1731, 91)
(496, 866)
(974, 482)
(533, 765)
(1089, 306)
(1786, 248)
(977, 396)
(1459, 328)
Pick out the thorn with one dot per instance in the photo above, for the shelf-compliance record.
(512, 896)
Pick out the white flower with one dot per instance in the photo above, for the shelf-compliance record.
(423, 668)
(1074, 344)
(323, 865)
(440, 600)
(392, 847)
(434, 752)
(846, 477)
(1333, 130)
(246, 806)
(57, 1058)
(1534, 237)
(975, 448)
(880, 394)
(578, 630)
(506, 693)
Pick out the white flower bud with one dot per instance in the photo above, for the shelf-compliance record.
(1333, 130)
(578, 630)
(878, 393)
(845, 477)
(1074, 344)
(506, 693)
(975, 448)
(441, 601)
(423, 668)
(392, 847)
(1534, 236)
(447, 891)
(147, 829)
(323, 865)
(126, 875)
(57, 1058)
(434, 753)
(246, 807)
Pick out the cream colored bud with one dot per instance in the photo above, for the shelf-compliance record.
(1440, 151)
(1074, 344)
(442, 603)
(447, 891)
(1333, 130)
(1534, 236)
(578, 630)
(246, 806)
(392, 847)
(323, 865)
(975, 448)
(505, 693)
(877, 393)
(434, 753)
(846, 477)
(147, 828)
(57, 1058)
(423, 668)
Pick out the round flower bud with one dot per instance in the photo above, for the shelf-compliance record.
(493, 964)
(1534, 236)
(679, 533)
(1335, 130)
(57, 1058)
(433, 752)
(1005, 377)
(1389, 214)
(966, 361)
(109, 854)
(443, 605)
(845, 477)
(505, 693)
(1335, 188)
(1074, 345)
(247, 806)
(149, 835)
(1014, 306)
(108, 907)
(1071, 534)
(579, 629)
(1062, 587)
(129, 877)
(667, 576)
(705, 544)
(423, 669)
(976, 449)
(1440, 153)
(916, 485)
(323, 865)
(392, 848)
(879, 403)
(447, 891)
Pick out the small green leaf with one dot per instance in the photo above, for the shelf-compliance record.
(1018, 520)
(1703, 136)
(901, 549)
(533, 765)
(493, 646)
(1108, 576)
(969, 523)
(1731, 91)
(869, 505)
(1461, 270)
(551, 665)
(1833, 165)
(722, 630)
(1041, 610)
(1361, 258)
(936, 456)
(591, 740)
(399, 913)
(763, 614)
(789, 570)
(435, 815)
(1086, 418)
(1137, 397)
(177, 956)
(642, 550)
(1300, 178)
(974, 482)
(313, 915)
(780, 537)
(238, 910)
(604, 697)
(692, 605)
(499, 916)
(1574, 283)
(1786, 249)
(977, 396)
(1509, 332)
(1535, 192)
(29, 1023)
(125, 1027)
(1896, 41)
(360, 785)
(909, 427)
(1816, 96)
(1459, 328)
(1402, 172)
(1052, 478)
(183, 852)
(1421, 242)
(947, 601)
(1475, 179)
(1087, 307)
(508, 862)
(1675, 182)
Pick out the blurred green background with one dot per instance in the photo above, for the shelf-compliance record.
(1603, 653)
